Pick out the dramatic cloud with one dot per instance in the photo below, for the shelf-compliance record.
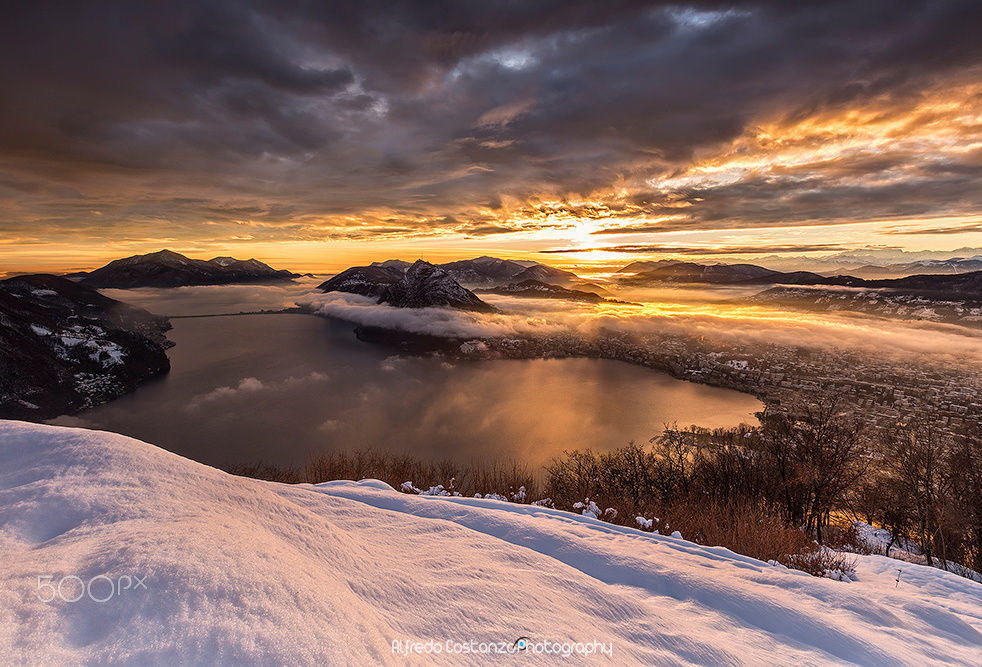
(955, 229)
(704, 250)
(256, 121)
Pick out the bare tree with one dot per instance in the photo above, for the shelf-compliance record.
(818, 456)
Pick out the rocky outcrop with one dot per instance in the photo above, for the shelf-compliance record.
(65, 347)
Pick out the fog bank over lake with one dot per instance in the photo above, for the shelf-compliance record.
(280, 388)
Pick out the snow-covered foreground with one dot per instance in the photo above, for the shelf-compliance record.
(236, 570)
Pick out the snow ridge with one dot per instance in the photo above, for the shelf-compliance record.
(240, 570)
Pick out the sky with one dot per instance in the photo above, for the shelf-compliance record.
(320, 135)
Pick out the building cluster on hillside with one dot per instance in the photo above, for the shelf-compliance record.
(884, 389)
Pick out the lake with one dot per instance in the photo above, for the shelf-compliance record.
(280, 388)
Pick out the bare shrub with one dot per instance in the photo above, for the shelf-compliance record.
(823, 562)
(266, 472)
(846, 537)
(501, 477)
(751, 530)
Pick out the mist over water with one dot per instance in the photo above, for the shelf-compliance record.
(723, 314)
(279, 388)
(215, 299)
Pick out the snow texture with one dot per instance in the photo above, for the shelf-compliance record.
(243, 571)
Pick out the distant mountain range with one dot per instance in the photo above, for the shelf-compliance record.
(398, 282)
(642, 274)
(907, 305)
(867, 264)
(927, 266)
(951, 298)
(546, 274)
(489, 271)
(671, 271)
(166, 268)
(876, 263)
(539, 290)
(65, 347)
(937, 297)
(404, 285)
(959, 284)
(483, 271)
(438, 285)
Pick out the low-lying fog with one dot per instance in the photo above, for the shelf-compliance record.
(278, 388)
(715, 313)
(215, 299)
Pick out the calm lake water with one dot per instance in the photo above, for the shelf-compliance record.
(279, 388)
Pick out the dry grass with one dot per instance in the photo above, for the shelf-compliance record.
(751, 530)
(484, 477)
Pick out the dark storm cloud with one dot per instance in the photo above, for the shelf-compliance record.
(325, 120)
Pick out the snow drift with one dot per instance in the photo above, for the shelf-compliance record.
(238, 570)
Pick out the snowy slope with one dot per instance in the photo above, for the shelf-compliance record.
(239, 570)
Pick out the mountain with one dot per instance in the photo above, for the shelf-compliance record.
(960, 284)
(927, 266)
(424, 285)
(585, 286)
(670, 267)
(877, 263)
(400, 264)
(483, 270)
(65, 347)
(797, 278)
(639, 266)
(539, 290)
(384, 572)
(365, 280)
(948, 298)
(546, 274)
(165, 268)
(896, 304)
(488, 271)
(714, 274)
(943, 286)
(478, 272)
